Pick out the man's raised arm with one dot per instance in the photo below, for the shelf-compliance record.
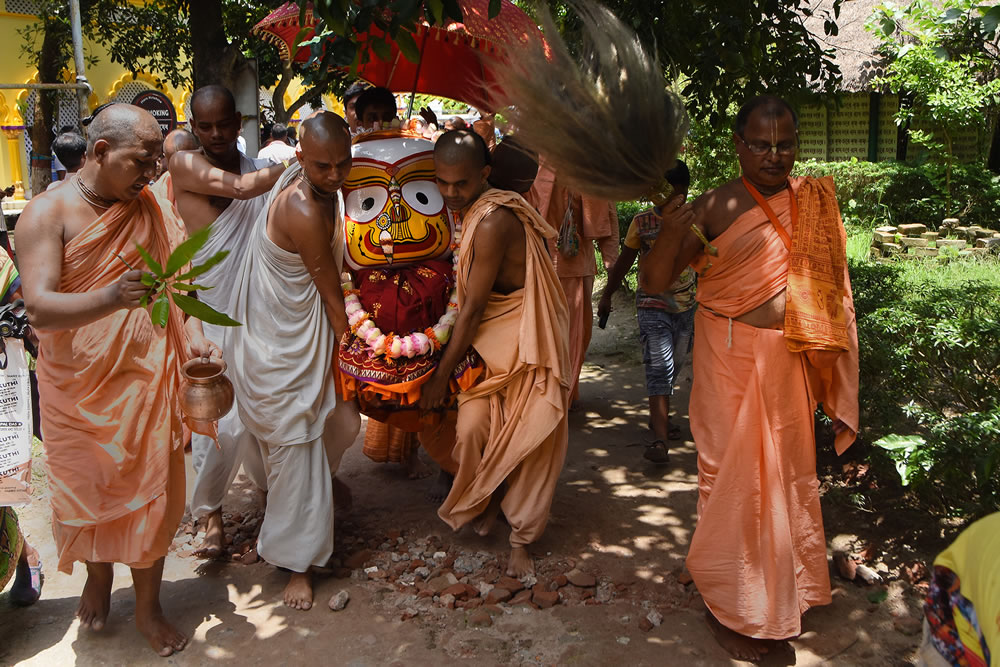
(191, 171)
(675, 247)
(492, 237)
(40, 247)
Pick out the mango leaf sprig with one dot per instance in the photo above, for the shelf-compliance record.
(165, 286)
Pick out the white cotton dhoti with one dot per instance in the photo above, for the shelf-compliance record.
(216, 466)
(300, 493)
(282, 371)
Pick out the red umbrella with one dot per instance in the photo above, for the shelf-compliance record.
(456, 59)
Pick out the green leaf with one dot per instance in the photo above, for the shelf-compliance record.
(161, 311)
(202, 268)
(148, 279)
(437, 10)
(183, 253)
(404, 40)
(189, 287)
(896, 442)
(153, 265)
(494, 9)
(203, 311)
(991, 19)
(381, 49)
(881, 595)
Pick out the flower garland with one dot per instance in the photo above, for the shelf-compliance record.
(414, 344)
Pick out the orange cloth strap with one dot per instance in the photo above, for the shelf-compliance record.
(778, 227)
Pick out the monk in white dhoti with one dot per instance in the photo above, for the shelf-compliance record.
(108, 377)
(774, 337)
(512, 430)
(289, 298)
(220, 186)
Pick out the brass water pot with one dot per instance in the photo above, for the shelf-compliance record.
(206, 393)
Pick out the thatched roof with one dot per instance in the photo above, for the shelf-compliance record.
(856, 49)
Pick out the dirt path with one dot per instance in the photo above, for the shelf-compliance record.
(614, 517)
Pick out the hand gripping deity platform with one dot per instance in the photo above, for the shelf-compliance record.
(401, 247)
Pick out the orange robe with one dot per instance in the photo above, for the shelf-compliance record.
(512, 425)
(597, 222)
(758, 555)
(114, 438)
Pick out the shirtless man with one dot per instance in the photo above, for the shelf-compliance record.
(289, 299)
(503, 270)
(758, 553)
(175, 141)
(108, 375)
(220, 186)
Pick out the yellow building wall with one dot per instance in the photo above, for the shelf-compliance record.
(106, 77)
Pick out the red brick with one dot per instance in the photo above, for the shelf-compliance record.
(545, 599)
(511, 584)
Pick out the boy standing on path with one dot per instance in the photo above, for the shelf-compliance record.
(666, 320)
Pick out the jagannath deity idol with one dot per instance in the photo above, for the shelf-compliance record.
(401, 250)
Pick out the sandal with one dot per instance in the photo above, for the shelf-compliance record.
(27, 586)
(657, 452)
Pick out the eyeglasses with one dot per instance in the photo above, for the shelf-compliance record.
(761, 148)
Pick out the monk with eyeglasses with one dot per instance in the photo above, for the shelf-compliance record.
(774, 338)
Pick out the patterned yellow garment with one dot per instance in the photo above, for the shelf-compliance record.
(815, 318)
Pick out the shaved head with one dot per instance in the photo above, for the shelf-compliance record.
(179, 140)
(323, 127)
(461, 167)
(460, 147)
(122, 125)
(217, 98)
(324, 151)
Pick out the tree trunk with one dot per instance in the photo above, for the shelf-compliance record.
(50, 64)
(213, 59)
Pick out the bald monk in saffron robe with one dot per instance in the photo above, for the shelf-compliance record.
(775, 337)
(108, 377)
(512, 431)
(595, 222)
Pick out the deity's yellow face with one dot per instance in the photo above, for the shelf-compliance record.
(394, 212)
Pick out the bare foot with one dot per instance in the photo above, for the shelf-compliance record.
(441, 488)
(737, 645)
(161, 635)
(485, 522)
(211, 546)
(415, 468)
(342, 498)
(299, 591)
(520, 563)
(95, 601)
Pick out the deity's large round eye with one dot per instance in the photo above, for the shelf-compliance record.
(364, 204)
(423, 197)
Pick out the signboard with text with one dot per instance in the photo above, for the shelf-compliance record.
(159, 105)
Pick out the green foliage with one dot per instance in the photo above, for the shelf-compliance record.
(710, 157)
(930, 367)
(165, 286)
(876, 193)
(947, 89)
(729, 50)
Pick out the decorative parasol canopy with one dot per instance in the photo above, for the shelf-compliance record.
(457, 60)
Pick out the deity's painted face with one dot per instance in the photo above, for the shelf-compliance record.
(395, 214)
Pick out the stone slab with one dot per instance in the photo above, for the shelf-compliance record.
(911, 242)
(913, 229)
(959, 244)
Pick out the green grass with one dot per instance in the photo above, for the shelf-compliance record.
(939, 272)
